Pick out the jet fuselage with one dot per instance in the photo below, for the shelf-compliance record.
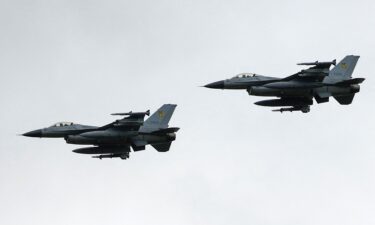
(116, 138)
(299, 90)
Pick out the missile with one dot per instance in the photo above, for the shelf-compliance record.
(122, 156)
(132, 113)
(291, 109)
(304, 109)
(106, 156)
(317, 63)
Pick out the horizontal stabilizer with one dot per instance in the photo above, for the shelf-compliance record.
(162, 147)
(166, 131)
(349, 82)
(344, 99)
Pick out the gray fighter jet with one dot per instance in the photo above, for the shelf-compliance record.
(116, 138)
(296, 92)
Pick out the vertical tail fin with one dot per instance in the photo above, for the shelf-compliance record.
(161, 117)
(343, 70)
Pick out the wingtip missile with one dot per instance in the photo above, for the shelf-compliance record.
(317, 63)
(131, 113)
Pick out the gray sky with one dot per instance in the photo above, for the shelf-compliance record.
(233, 162)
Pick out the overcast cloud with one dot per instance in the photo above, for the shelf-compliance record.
(233, 162)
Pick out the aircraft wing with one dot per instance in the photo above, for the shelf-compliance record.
(315, 73)
(133, 121)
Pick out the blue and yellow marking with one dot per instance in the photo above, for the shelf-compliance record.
(344, 66)
(161, 115)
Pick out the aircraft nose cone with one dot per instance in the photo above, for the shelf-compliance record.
(216, 85)
(34, 133)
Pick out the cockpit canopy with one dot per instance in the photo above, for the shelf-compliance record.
(62, 124)
(244, 75)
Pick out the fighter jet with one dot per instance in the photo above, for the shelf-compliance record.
(116, 138)
(296, 92)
